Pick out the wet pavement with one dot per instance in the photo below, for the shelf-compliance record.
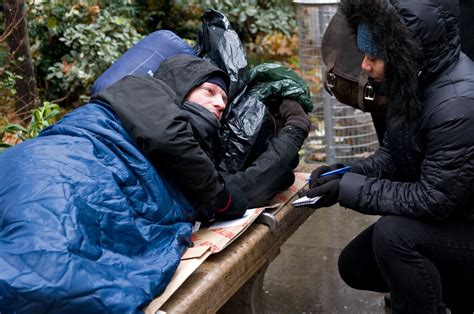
(304, 277)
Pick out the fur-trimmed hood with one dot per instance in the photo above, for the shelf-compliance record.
(419, 40)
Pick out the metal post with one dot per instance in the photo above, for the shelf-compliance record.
(313, 19)
(329, 129)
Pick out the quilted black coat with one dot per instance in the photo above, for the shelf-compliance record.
(425, 168)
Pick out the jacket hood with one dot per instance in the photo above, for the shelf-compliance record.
(419, 40)
(182, 73)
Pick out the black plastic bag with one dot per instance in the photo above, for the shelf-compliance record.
(218, 41)
(252, 117)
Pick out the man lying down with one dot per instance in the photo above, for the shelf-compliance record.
(96, 212)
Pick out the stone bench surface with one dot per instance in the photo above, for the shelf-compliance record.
(231, 281)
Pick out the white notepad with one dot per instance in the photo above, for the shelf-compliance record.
(303, 201)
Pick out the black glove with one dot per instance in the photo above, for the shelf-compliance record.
(315, 180)
(294, 115)
(329, 191)
(230, 203)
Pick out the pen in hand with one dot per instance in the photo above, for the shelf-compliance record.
(336, 171)
(311, 201)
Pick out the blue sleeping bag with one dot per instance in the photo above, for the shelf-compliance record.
(87, 224)
(143, 58)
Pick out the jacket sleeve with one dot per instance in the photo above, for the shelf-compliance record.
(377, 165)
(447, 173)
(150, 114)
(272, 171)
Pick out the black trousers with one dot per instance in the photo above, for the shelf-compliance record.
(426, 266)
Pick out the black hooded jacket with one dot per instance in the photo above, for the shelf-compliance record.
(425, 167)
(150, 109)
(153, 114)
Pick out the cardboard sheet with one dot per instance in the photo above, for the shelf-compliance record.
(185, 269)
(220, 234)
(217, 237)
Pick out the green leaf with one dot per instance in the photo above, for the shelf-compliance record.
(52, 114)
(52, 22)
(14, 128)
(242, 17)
(252, 11)
(36, 115)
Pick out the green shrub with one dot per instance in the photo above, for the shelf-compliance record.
(7, 83)
(74, 44)
(39, 119)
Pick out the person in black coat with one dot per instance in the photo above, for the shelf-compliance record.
(421, 180)
(466, 27)
(174, 118)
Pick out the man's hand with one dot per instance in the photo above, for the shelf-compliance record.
(231, 203)
(330, 192)
(294, 115)
(315, 180)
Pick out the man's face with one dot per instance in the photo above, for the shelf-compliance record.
(210, 96)
(375, 67)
